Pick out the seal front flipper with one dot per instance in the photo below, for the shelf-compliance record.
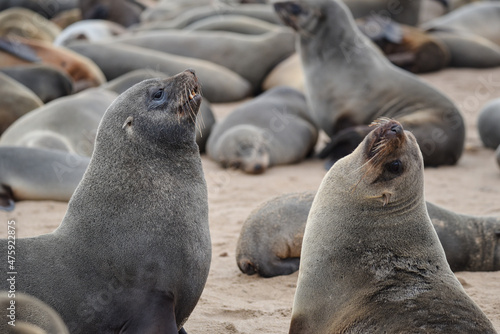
(19, 50)
(343, 144)
(6, 198)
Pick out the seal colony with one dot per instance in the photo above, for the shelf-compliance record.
(371, 260)
(349, 83)
(133, 251)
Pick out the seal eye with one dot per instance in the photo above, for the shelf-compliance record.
(395, 167)
(158, 95)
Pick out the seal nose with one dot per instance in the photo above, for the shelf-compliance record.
(393, 130)
(258, 168)
(397, 129)
(190, 70)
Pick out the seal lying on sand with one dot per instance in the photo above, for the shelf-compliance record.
(488, 124)
(133, 251)
(350, 83)
(32, 316)
(371, 260)
(38, 174)
(271, 237)
(272, 129)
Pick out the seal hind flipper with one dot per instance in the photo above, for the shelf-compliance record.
(6, 198)
(19, 50)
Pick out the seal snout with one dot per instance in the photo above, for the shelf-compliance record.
(385, 138)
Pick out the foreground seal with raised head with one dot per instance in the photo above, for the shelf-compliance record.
(350, 83)
(371, 260)
(133, 251)
(271, 237)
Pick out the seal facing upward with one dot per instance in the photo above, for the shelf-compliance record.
(371, 260)
(133, 251)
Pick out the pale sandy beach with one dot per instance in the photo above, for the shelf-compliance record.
(236, 303)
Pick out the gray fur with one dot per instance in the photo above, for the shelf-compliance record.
(272, 129)
(133, 251)
(47, 82)
(233, 23)
(251, 56)
(219, 84)
(350, 83)
(68, 123)
(488, 124)
(371, 260)
(271, 237)
(32, 316)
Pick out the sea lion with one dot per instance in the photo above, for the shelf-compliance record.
(251, 56)
(405, 46)
(272, 129)
(38, 174)
(68, 124)
(28, 24)
(123, 12)
(204, 120)
(481, 18)
(219, 84)
(488, 124)
(233, 23)
(136, 226)
(32, 316)
(15, 101)
(82, 70)
(47, 82)
(336, 57)
(271, 237)
(90, 30)
(371, 260)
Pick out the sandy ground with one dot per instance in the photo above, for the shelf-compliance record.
(235, 303)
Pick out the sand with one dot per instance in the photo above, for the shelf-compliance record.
(236, 303)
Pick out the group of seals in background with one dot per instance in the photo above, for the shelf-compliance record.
(134, 196)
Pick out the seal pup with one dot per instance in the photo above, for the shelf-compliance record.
(271, 237)
(136, 226)
(32, 316)
(38, 174)
(205, 119)
(68, 124)
(219, 84)
(371, 260)
(16, 100)
(488, 124)
(336, 57)
(47, 82)
(272, 129)
(251, 56)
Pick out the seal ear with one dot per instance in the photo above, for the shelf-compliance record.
(128, 122)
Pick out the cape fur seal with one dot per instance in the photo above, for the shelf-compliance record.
(251, 56)
(16, 100)
(32, 316)
(68, 124)
(371, 260)
(488, 124)
(38, 174)
(271, 129)
(219, 84)
(271, 237)
(28, 24)
(337, 57)
(123, 12)
(47, 82)
(137, 225)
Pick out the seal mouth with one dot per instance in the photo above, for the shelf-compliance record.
(387, 137)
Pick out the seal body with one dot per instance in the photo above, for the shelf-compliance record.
(68, 124)
(272, 129)
(371, 260)
(488, 124)
(271, 237)
(123, 12)
(38, 174)
(32, 316)
(350, 83)
(137, 225)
